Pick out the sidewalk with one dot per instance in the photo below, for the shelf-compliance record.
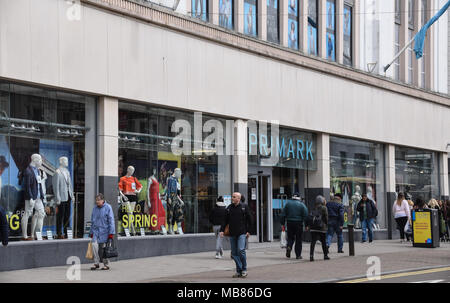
(266, 263)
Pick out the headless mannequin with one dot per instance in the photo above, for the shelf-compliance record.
(129, 196)
(355, 200)
(34, 197)
(156, 202)
(62, 188)
(174, 202)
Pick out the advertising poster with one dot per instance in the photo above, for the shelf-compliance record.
(293, 24)
(199, 9)
(226, 13)
(272, 21)
(250, 17)
(331, 54)
(422, 227)
(312, 40)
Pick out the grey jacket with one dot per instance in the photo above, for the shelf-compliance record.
(62, 186)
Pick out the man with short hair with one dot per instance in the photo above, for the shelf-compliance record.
(294, 213)
(367, 213)
(336, 221)
(239, 221)
(102, 229)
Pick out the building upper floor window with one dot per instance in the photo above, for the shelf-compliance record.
(411, 14)
(273, 9)
(348, 50)
(226, 16)
(312, 27)
(398, 7)
(250, 18)
(293, 13)
(331, 30)
(200, 9)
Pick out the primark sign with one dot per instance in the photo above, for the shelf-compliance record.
(268, 144)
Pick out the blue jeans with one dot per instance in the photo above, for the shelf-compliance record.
(367, 224)
(333, 227)
(238, 252)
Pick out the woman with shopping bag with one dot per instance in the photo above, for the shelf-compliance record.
(294, 213)
(102, 232)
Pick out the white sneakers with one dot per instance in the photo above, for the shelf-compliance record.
(164, 230)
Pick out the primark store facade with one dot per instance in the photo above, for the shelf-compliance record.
(198, 111)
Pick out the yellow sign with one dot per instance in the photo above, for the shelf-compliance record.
(422, 227)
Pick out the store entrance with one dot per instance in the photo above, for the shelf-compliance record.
(260, 203)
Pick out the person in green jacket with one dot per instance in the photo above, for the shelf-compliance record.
(295, 213)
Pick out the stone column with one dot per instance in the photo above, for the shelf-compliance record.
(443, 178)
(389, 156)
(319, 180)
(240, 157)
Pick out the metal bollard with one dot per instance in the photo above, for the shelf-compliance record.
(351, 240)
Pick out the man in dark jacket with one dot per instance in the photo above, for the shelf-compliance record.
(217, 218)
(367, 213)
(239, 221)
(295, 213)
(3, 227)
(336, 221)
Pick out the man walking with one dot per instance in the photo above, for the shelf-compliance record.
(102, 229)
(295, 213)
(367, 213)
(217, 218)
(239, 221)
(335, 221)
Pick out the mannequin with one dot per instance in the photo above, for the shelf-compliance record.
(129, 187)
(34, 196)
(174, 202)
(355, 200)
(46, 208)
(63, 190)
(155, 205)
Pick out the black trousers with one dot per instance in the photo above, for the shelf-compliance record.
(294, 235)
(63, 217)
(322, 238)
(401, 223)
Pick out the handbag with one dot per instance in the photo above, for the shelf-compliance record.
(110, 250)
(226, 231)
(89, 252)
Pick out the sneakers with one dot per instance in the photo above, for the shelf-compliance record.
(288, 252)
(244, 274)
(237, 275)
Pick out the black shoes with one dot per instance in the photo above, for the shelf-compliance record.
(288, 252)
(340, 251)
(299, 258)
(311, 258)
(326, 257)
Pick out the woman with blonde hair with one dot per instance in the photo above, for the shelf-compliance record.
(402, 215)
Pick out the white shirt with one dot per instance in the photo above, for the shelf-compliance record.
(401, 211)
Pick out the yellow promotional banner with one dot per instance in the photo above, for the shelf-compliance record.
(422, 227)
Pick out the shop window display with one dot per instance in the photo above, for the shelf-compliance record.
(356, 168)
(172, 194)
(42, 158)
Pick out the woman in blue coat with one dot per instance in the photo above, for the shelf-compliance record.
(102, 229)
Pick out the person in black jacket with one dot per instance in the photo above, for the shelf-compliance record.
(3, 227)
(367, 213)
(336, 221)
(239, 221)
(217, 218)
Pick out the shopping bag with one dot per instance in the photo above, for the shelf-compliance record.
(283, 241)
(408, 228)
(89, 252)
(110, 250)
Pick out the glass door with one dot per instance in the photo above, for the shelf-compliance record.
(260, 203)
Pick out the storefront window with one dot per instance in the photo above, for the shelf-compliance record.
(293, 12)
(49, 131)
(356, 167)
(272, 21)
(416, 173)
(146, 136)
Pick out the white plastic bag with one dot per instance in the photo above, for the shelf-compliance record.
(408, 228)
(283, 241)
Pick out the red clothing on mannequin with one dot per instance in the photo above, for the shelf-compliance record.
(128, 185)
(157, 207)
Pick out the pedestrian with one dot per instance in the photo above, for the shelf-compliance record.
(447, 220)
(3, 227)
(402, 215)
(317, 224)
(420, 204)
(367, 213)
(294, 214)
(217, 219)
(335, 222)
(102, 229)
(239, 221)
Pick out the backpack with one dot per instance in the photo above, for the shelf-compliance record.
(315, 220)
